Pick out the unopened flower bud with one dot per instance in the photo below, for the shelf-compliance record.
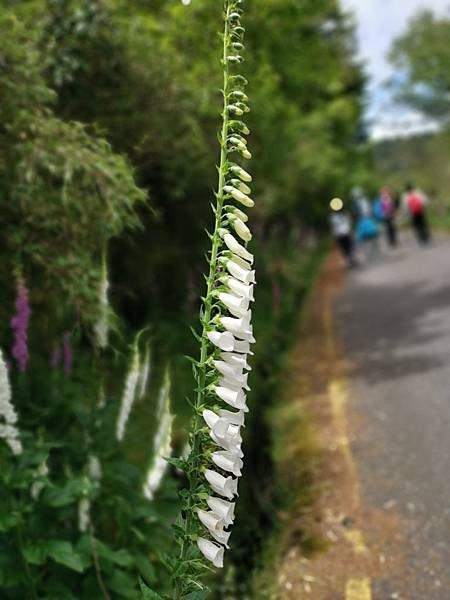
(241, 173)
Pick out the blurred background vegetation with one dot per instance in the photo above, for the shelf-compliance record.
(108, 118)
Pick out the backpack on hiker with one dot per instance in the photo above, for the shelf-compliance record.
(415, 204)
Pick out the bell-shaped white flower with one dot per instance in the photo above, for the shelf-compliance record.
(236, 382)
(222, 537)
(216, 423)
(223, 508)
(235, 418)
(229, 442)
(234, 398)
(239, 272)
(234, 303)
(211, 551)
(232, 243)
(224, 486)
(228, 370)
(236, 360)
(239, 196)
(241, 173)
(240, 328)
(243, 347)
(228, 461)
(240, 261)
(241, 289)
(211, 520)
(224, 341)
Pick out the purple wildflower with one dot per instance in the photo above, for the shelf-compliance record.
(19, 325)
(67, 353)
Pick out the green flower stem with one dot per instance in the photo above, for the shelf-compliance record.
(216, 243)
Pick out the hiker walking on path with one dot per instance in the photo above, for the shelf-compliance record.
(385, 211)
(341, 228)
(415, 203)
(367, 230)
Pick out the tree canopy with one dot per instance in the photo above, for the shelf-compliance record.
(423, 62)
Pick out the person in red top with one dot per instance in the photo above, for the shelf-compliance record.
(415, 203)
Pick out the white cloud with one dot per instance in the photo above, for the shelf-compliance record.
(378, 24)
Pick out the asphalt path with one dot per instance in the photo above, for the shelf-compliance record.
(393, 317)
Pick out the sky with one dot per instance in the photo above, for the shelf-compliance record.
(378, 23)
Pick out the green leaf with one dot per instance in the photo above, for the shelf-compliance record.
(200, 595)
(123, 585)
(66, 494)
(65, 554)
(8, 520)
(147, 593)
(35, 554)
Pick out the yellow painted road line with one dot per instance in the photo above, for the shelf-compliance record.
(358, 589)
(338, 394)
(356, 539)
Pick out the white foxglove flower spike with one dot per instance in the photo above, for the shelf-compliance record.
(144, 373)
(129, 392)
(221, 369)
(101, 327)
(9, 432)
(162, 443)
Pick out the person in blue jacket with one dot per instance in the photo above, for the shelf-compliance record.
(367, 230)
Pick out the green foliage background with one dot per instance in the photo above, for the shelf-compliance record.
(108, 119)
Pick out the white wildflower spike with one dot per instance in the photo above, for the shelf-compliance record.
(38, 486)
(94, 469)
(144, 372)
(101, 327)
(221, 404)
(8, 431)
(211, 552)
(162, 444)
(129, 392)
